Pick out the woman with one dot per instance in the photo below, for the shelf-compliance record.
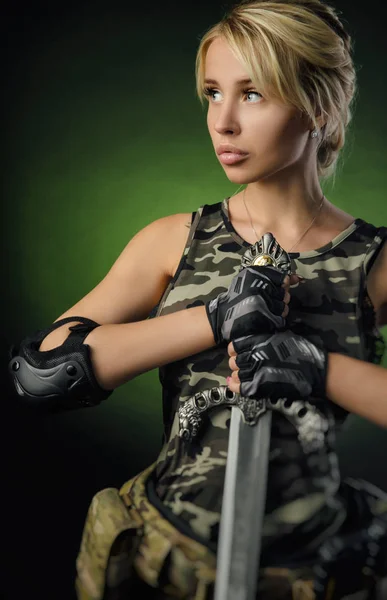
(279, 80)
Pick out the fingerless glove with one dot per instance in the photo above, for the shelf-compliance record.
(285, 365)
(252, 304)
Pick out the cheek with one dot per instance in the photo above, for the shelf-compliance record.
(279, 137)
(294, 135)
(210, 121)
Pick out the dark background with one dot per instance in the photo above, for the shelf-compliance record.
(103, 134)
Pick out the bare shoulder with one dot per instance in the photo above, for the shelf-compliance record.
(176, 230)
(166, 238)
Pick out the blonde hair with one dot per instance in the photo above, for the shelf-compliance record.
(299, 53)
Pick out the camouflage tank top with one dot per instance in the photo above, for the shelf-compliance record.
(330, 307)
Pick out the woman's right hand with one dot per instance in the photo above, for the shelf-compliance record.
(256, 302)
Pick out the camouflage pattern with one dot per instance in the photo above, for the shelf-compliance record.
(129, 549)
(330, 307)
(107, 546)
(161, 544)
(161, 529)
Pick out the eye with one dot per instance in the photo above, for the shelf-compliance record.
(209, 92)
(248, 93)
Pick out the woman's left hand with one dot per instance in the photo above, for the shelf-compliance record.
(283, 365)
(233, 381)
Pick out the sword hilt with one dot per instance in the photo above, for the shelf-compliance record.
(267, 252)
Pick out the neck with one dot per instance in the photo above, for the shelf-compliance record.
(288, 205)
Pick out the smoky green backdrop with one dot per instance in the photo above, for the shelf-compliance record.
(103, 134)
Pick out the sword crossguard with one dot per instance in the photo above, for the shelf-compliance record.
(192, 412)
(310, 423)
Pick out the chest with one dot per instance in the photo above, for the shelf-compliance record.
(326, 307)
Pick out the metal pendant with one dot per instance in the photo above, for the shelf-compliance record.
(266, 252)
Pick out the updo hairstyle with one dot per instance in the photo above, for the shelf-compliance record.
(299, 53)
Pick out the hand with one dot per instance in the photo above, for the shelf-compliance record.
(284, 365)
(256, 301)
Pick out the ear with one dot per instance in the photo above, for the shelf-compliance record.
(309, 123)
(321, 121)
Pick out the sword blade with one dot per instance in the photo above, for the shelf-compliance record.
(243, 507)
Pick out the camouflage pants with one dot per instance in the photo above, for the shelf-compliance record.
(129, 550)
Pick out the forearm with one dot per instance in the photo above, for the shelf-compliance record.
(119, 352)
(359, 387)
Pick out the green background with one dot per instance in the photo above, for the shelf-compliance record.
(103, 134)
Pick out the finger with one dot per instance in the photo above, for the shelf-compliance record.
(287, 298)
(291, 280)
(243, 359)
(286, 282)
(233, 386)
(286, 311)
(232, 364)
(245, 374)
(294, 279)
(235, 376)
(231, 349)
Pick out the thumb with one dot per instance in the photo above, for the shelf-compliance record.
(294, 278)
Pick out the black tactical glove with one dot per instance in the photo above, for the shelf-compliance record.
(253, 302)
(285, 365)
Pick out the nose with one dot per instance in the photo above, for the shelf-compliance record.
(225, 120)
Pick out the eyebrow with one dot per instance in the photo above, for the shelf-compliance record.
(240, 81)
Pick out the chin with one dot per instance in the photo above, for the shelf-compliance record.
(242, 177)
(238, 180)
(262, 174)
(237, 175)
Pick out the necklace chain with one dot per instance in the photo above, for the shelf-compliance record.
(304, 233)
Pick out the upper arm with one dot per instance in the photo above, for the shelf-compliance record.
(137, 279)
(377, 285)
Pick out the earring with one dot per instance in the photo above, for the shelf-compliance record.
(314, 133)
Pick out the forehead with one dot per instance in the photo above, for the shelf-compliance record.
(221, 61)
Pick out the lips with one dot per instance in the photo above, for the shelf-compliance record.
(225, 148)
(230, 158)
